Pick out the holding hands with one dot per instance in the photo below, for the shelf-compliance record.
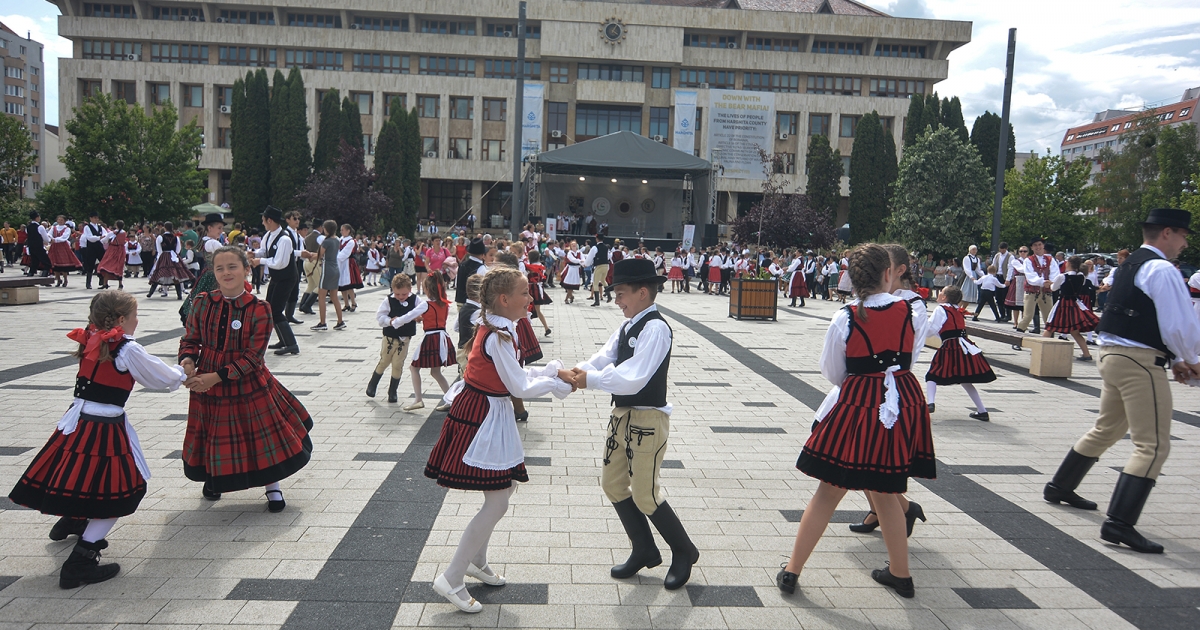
(575, 376)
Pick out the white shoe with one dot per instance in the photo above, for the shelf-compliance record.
(495, 579)
(413, 406)
(443, 588)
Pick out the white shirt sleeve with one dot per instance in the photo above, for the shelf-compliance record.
(631, 376)
(1194, 281)
(1031, 275)
(833, 355)
(148, 369)
(519, 381)
(936, 321)
(283, 251)
(344, 252)
(1177, 321)
(1058, 281)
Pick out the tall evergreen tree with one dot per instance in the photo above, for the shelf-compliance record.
(912, 122)
(931, 114)
(291, 157)
(985, 135)
(352, 131)
(952, 118)
(824, 166)
(410, 144)
(872, 173)
(389, 164)
(330, 131)
(250, 181)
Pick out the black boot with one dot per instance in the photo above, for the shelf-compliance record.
(1061, 489)
(392, 387)
(83, 566)
(596, 300)
(645, 553)
(373, 384)
(1128, 499)
(67, 526)
(153, 286)
(683, 553)
(178, 292)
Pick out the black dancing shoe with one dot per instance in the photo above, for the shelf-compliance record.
(288, 350)
(274, 506)
(523, 416)
(864, 527)
(910, 517)
(902, 586)
(209, 493)
(786, 580)
(277, 345)
(931, 407)
(982, 417)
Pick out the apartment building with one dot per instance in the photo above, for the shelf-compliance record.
(1106, 127)
(23, 95)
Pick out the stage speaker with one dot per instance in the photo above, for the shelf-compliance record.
(710, 235)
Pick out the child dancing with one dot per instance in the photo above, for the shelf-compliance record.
(397, 314)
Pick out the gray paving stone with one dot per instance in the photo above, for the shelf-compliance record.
(994, 598)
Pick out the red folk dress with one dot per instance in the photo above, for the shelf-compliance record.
(537, 275)
(1071, 313)
(62, 257)
(248, 430)
(437, 349)
(850, 446)
(958, 360)
(112, 265)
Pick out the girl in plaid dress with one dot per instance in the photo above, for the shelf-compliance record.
(244, 428)
(92, 471)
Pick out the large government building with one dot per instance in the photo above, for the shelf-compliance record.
(826, 61)
(24, 97)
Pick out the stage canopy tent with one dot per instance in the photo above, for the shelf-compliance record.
(623, 154)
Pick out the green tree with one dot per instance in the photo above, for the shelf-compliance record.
(345, 192)
(1050, 197)
(1175, 150)
(931, 114)
(291, 157)
(912, 122)
(872, 174)
(352, 131)
(54, 198)
(16, 156)
(410, 145)
(330, 131)
(943, 198)
(1124, 184)
(389, 164)
(952, 117)
(250, 125)
(128, 165)
(824, 189)
(985, 135)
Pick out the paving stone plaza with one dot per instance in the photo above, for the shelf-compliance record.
(364, 533)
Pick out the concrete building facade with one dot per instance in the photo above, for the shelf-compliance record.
(829, 61)
(24, 95)
(1105, 129)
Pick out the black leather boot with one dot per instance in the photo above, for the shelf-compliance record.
(67, 526)
(645, 553)
(1128, 499)
(1061, 488)
(683, 553)
(373, 384)
(392, 387)
(83, 566)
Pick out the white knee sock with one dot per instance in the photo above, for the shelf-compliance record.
(930, 391)
(475, 537)
(974, 394)
(97, 529)
(273, 488)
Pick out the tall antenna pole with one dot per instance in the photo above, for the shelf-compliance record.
(517, 199)
(1002, 153)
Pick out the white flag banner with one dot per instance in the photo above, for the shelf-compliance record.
(739, 124)
(689, 235)
(552, 228)
(684, 137)
(531, 126)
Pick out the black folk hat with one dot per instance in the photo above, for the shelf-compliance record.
(1170, 217)
(213, 217)
(631, 270)
(476, 247)
(274, 214)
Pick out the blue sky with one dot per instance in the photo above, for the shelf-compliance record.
(1074, 58)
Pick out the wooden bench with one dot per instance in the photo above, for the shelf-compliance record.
(19, 289)
(1051, 357)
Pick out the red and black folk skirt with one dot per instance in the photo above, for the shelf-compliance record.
(539, 295)
(90, 473)
(798, 288)
(527, 342)
(430, 354)
(63, 258)
(850, 448)
(356, 279)
(1069, 316)
(952, 365)
(246, 441)
(446, 460)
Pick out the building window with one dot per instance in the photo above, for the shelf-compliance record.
(785, 122)
(387, 103)
(314, 20)
(14, 90)
(1183, 112)
(896, 88)
(160, 93)
(556, 117)
(179, 53)
(266, 18)
(88, 88)
(399, 25)
(510, 30)
(609, 72)
(849, 124)
(13, 72)
(119, 51)
(846, 86)
(448, 200)
(462, 107)
(846, 166)
(697, 40)
(428, 106)
(224, 96)
(660, 122)
(125, 91)
(601, 120)
(495, 108)
(36, 137)
(224, 138)
(459, 149)
(660, 78)
(784, 163)
(493, 151)
(364, 102)
(447, 28)
(314, 59)
(33, 103)
(381, 63)
(193, 96)
(33, 87)
(429, 147)
(718, 79)
(448, 66)
(886, 122)
(367, 145)
(771, 82)
(178, 14)
(898, 50)
(776, 44)
(109, 10)
(560, 73)
(506, 69)
(16, 109)
(837, 48)
(244, 56)
(819, 124)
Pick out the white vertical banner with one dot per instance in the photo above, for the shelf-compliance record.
(684, 137)
(552, 228)
(689, 235)
(739, 124)
(531, 126)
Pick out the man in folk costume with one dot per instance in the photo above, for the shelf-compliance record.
(597, 258)
(311, 269)
(469, 267)
(1040, 271)
(1003, 262)
(293, 229)
(91, 246)
(1147, 324)
(276, 254)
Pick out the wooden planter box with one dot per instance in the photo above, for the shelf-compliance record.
(754, 299)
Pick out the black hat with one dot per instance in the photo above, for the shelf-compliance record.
(34, 214)
(1036, 239)
(630, 270)
(274, 214)
(1170, 217)
(477, 248)
(213, 217)
(93, 213)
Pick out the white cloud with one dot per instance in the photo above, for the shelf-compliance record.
(40, 21)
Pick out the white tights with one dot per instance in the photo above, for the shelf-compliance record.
(931, 394)
(472, 547)
(97, 529)
(273, 488)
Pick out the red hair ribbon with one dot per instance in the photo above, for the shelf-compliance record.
(92, 338)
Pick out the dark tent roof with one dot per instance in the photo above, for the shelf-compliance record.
(623, 153)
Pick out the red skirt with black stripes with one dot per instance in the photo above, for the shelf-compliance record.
(446, 459)
(952, 365)
(90, 473)
(527, 342)
(430, 354)
(1068, 316)
(850, 448)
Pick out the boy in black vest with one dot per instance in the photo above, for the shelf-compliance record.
(633, 367)
(92, 250)
(397, 314)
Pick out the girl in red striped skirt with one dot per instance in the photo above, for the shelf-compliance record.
(958, 361)
(92, 470)
(436, 350)
(872, 432)
(480, 447)
(1071, 314)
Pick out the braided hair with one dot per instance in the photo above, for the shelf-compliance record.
(105, 309)
(868, 262)
(497, 282)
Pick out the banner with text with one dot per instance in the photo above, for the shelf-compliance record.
(739, 124)
(531, 126)
(689, 235)
(685, 121)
